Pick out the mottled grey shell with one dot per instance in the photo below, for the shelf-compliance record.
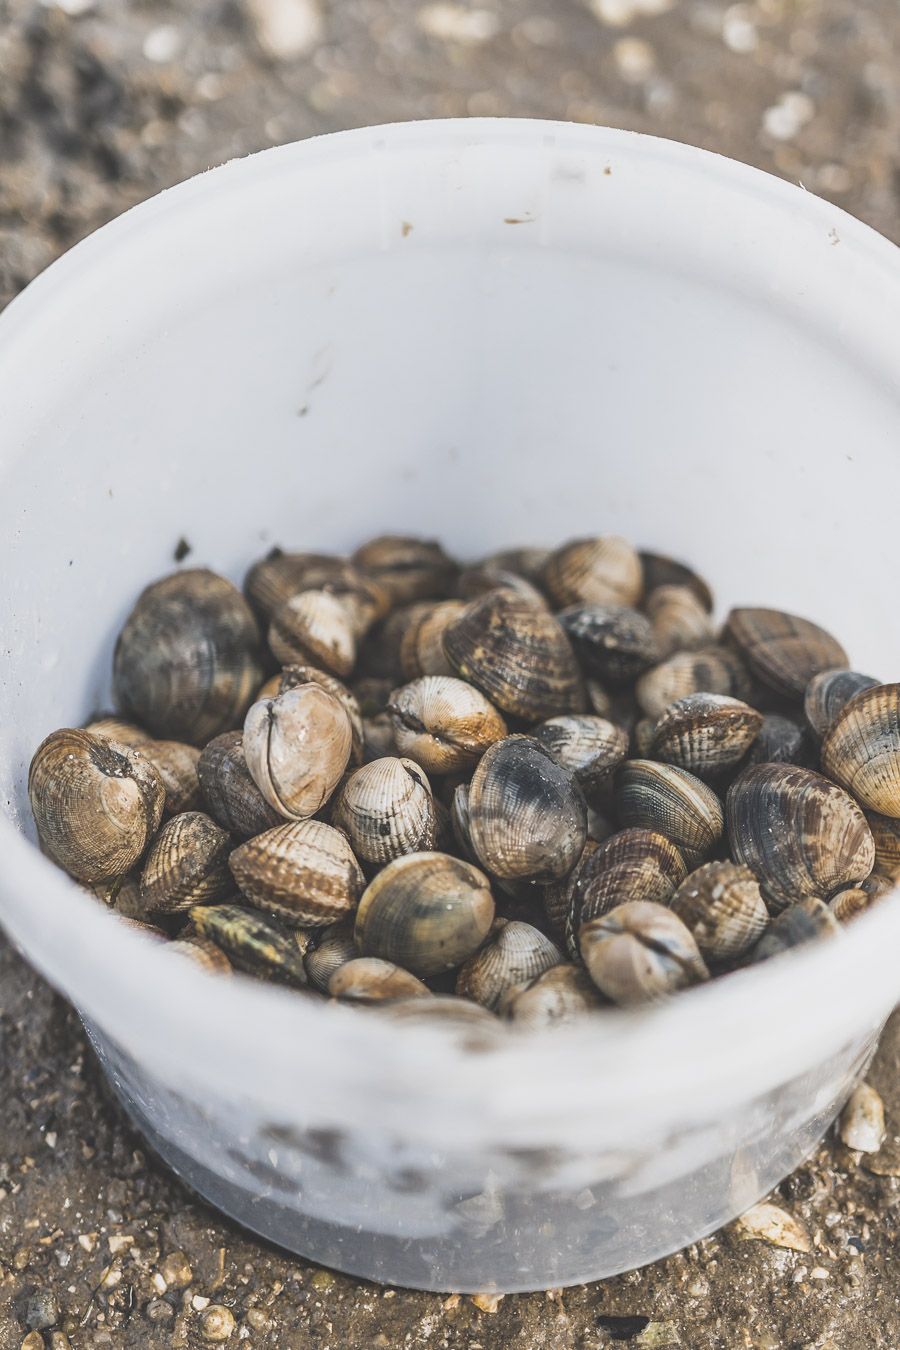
(805, 921)
(662, 571)
(828, 693)
(407, 568)
(707, 734)
(783, 651)
(861, 749)
(681, 622)
(426, 912)
(639, 952)
(516, 952)
(386, 809)
(800, 834)
(712, 670)
(559, 996)
(598, 571)
(368, 979)
(96, 804)
(612, 642)
(855, 900)
(251, 942)
(187, 865)
(186, 662)
(517, 654)
(781, 740)
(231, 796)
(304, 872)
(722, 906)
(334, 947)
(527, 817)
(589, 748)
(673, 802)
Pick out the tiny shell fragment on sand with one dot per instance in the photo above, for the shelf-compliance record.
(770, 1223)
(861, 1124)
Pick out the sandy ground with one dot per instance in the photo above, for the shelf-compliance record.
(102, 102)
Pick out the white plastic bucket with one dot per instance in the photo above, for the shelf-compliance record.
(495, 333)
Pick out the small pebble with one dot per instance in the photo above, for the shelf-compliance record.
(861, 1124)
(199, 1302)
(33, 1341)
(217, 1323)
(635, 59)
(258, 1319)
(162, 44)
(176, 1270)
(621, 13)
(788, 116)
(287, 29)
(488, 1303)
(41, 1310)
(770, 1223)
(457, 23)
(158, 1310)
(322, 1279)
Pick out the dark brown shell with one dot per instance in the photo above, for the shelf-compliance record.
(707, 734)
(722, 906)
(673, 802)
(828, 693)
(407, 568)
(186, 663)
(861, 749)
(96, 804)
(187, 865)
(251, 942)
(612, 642)
(517, 654)
(712, 670)
(232, 798)
(589, 748)
(594, 572)
(783, 651)
(781, 740)
(805, 921)
(662, 571)
(527, 818)
(800, 834)
(886, 833)
(176, 764)
(629, 865)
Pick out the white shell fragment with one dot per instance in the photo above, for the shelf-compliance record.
(861, 1124)
(770, 1223)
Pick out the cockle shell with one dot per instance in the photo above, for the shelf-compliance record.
(303, 872)
(187, 865)
(516, 952)
(861, 749)
(386, 809)
(783, 651)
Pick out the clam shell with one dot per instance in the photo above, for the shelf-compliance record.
(176, 764)
(186, 662)
(251, 942)
(187, 865)
(297, 747)
(589, 748)
(886, 833)
(528, 563)
(293, 676)
(334, 947)
(229, 792)
(517, 654)
(407, 568)
(379, 655)
(721, 904)
(386, 809)
(124, 894)
(274, 579)
(712, 670)
(478, 1024)
(314, 628)
(562, 897)
(781, 741)
(594, 572)
(861, 749)
(639, 952)
(673, 802)
(515, 953)
(629, 866)
(557, 997)
(802, 922)
(303, 872)
(707, 734)
(846, 905)
(680, 620)
(113, 728)
(828, 693)
(662, 571)
(783, 651)
(367, 979)
(612, 642)
(642, 736)
(96, 804)
(203, 953)
(422, 640)
(475, 581)
(527, 818)
(443, 723)
(800, 834)
(426, 912)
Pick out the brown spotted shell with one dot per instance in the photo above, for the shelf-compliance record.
(514, 953)
(800, 834)
(861, 749)
(589, 748)
(407, 568)
(599, 571)
(712, 670)
(673, 802)
(805, 921)
(707, 734)
(229, 792)
(96, 804)
(294, 675)
(639, 952)
(304, 873)
(334, 946)
(681, 622)
(251, 942)
(426, 912)
(630, 865)
(612, 642)
(662, 571)
(297, 747)
(517, 654)
(783, 651)
(314, 628)
(187, 865)
(555, 998)
(722, 905)
(368, 979)
(422, 641)
(386, 809)
(113, 728)
(828, 693)
(186, 663)
(443, 723)
(527, 818)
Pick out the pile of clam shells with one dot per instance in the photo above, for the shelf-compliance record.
(531, 787)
